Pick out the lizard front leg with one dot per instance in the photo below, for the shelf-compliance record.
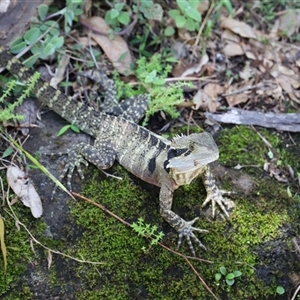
(183, 227)
(214, 194)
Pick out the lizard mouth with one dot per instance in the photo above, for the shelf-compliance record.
(191, 162)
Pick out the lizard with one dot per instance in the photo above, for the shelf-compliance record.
(165, 163)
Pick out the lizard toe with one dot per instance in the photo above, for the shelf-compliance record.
(217, 198)
(187, 232)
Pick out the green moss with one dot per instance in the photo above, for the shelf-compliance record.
(248, 242)
(242, 145)
(19, 253)
(156, 274)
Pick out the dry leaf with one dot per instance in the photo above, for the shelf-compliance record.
(285, 83)
(86, 41)
(289, 22)
(233, 49)
(203, 6)
(228, 35)
(4, 4)
(21, 186)
(197, 68)
(239, 97)
(60, 71)
(205, 101)
(116, 49)
(2, 243)
(238, 27)
(28, 109)
(49, 258)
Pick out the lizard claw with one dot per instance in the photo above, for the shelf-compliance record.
(216, 196)
(74, 161)
(187, 232)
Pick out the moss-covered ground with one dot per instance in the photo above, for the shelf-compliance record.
(257, 241)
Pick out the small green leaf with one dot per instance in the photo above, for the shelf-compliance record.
(75, 128)
(229, 281)
(114, 13)
(153, 12)
(180, 21)
(169, 31)
(42, 11)
(32, 35)
(193, 14)
(16, 41)
(150, 77)
(57, 41)
(191, 25)
(280, 290)
(195, 3)
(182, 4)
(49, 50)
(237, 273)
(223, 270)
(119, 6)
(29, 62)
(124, 17)
(17, 48)
(228, 6)
(173, 13)
(64, 130)
(230, 276)
(7, 152)
(289, 193)
(158, 81)
(218, 276)
(270, 154)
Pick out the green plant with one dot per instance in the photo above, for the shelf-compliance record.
(187, 16)
(8, 112)
(44, 35)
(165, 98)
(151, 75)
(66, 127)
(119, 13)
(280, 290)
(147, 230)
(228, 276)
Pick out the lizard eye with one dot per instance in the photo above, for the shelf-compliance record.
(192, 147)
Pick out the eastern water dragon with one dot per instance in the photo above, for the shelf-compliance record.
(167, 164)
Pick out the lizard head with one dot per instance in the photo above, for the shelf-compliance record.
(190, 153)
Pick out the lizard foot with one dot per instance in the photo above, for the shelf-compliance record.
(216, 196)
(187, 232)
(73, 161)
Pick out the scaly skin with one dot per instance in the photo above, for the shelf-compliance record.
(158, 161)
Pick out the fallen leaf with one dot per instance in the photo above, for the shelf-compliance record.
(2, 243)
(238, 27)
(197, 68)
(60, 71)
(19, 183)
(4, 4)
(238, 97)
(49, 258)
(116, 49)
(289, 22)
(205, 101)
(233, 49)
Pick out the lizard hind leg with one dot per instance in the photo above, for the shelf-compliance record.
(83, 153)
